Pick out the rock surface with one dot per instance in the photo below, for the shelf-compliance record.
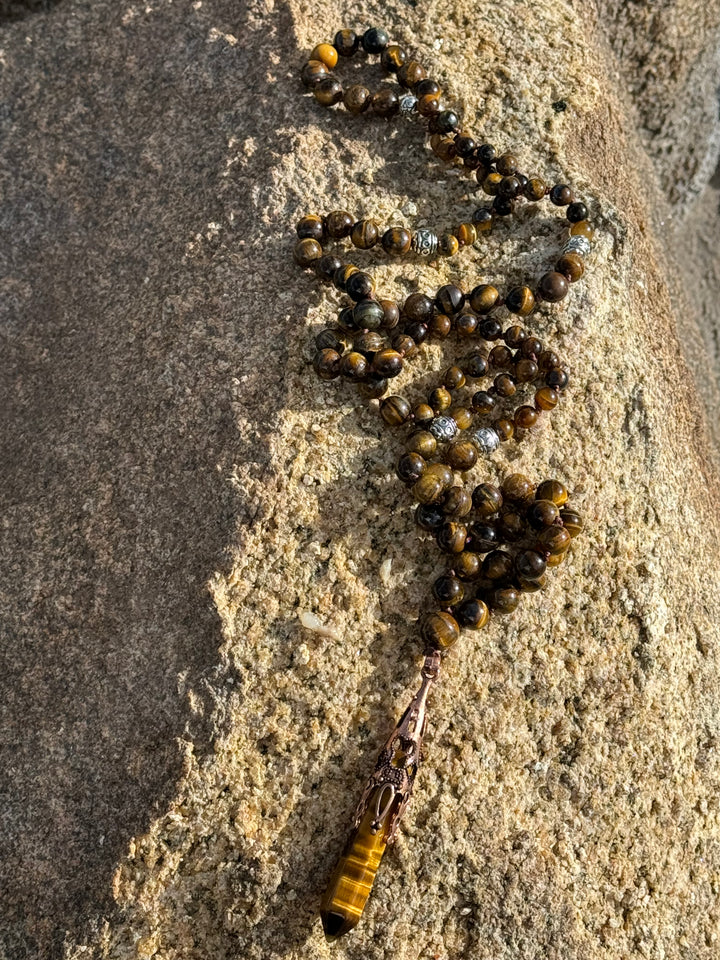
(181, 756)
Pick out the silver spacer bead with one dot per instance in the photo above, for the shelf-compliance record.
(425, 242)
(579, 245)
(408, 104)
(443, 428)
(486, 439)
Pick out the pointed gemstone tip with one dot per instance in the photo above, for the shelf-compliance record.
(334, 925)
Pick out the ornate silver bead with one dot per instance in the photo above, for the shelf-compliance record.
(443, 428)
(425, 242)
(486, 439)
(579, 245)
(408, 104)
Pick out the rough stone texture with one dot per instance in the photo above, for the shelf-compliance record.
(180, 756)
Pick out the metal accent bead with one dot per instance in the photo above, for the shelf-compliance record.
(408, 104)
(486, 439)
(425, 242)
(443, 428)
(577, 244)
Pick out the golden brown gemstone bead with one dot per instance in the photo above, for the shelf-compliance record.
(555, 559)
(448, 245)
(449, 299)
(422, 442)
(512, 526)
(507, 164)
(504, 428)
(346, 42)
(385, 103)
(395, 410)
(553, 540)
(491, 184)
(552, 490)
(571, 266)
(530, 564)
(418, 307)
(410, 74)
(582, 229)
(440, 326)
(526, 417)
(396, 241)
(343, 275)
(542, 513)
(327, 364)
(339, 224)
(440, 399)
(325, 53)
(306, 252)
(525, 370)
(520, 300)
(423, 413)
(487, 500)
(429, 488)
(504, 385)
(454, 378)
(448, 590)
(462, 416)
(572, 521)
(483, 298)
(356, 99)
(553, 286)
(467, 565)
(504, 600)
(365, 234)
(411, 467)
(457, 503)
(327, 91)
(393, 57)
(443, 472)
(498, 565)
(466, 234)
(451, 537)
(310, 227)
(517, 489)
(440, 630)
(461, 455)
(561, 195)
(546, 398)
(466, 324)
(535, 189)
(473, 614)
(500, 357)
(428, 105)
(388, 363)
(443, 147)
(313, 72)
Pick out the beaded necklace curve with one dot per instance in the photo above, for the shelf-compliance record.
(456, 424)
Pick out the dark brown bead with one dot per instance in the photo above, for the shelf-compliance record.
(448, 590)
(357, 99)
(327, 364)
(466, 324)
(553, 540)
(346, 42)
(440, 326)
(571, 266)
(520, 300)
(313, 72)
(395, 410)
(429, 489)
(418, 307)
(509, 188)
(483, 219)
(410, 74)
(504, 600)
(498, 565)
(576, 212)
(483, 402)
(525, 370)
(396, 241)
(552, 490)
(572, 521)
(373, 386)
(367, 314)
(392, 314)
(473, 614)
(339, 224)
(547, 359)
(546, 398)
(553, 286)
(500, 357)
(530, 586)
(449, 299)
(461, 455)
(515, 335)
(502, 206)
(531, 348)
(360, 286)
(422, 442)
(530, 564)
(368, 343)
(561, 195)
(557, 378)
(440, 399)
(526, 417)
(393, 57)
(327, 266)
(365, 234)
(487, 500)
(504, 428)
(534, 189)
(483, 298)
(464, 144)
(428, 86)
(306, 252)
(486, 154)
(439, 631)
(418, 330)
(507, 164)
(374, 40)
(457, 503)
(330, 339)
(448, 245)
(411, 467)
(346, 319)
(328, 91)
(385, 103)
(517, 489)
(443, 147)
(467, 565)
(447, 121)
(490, 329)
(310, 227)
(428, 105)
(491, 184)
(429, 516)
(483, 537)
(475, 365)
(512, 526)
(504, 385)
(542, 513)
(453, 378)
(404, 345)
(388, 363)
(354, 366)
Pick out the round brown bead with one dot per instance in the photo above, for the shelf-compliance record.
(552, 490)
(453, 378)
(451, 537)
(313, 72)
(392, 314)
(411, 467)
(360, 286)
(410, 74)
(491, 184)
(507, 164)
(462, 416)
(310, 227)
(473, 614)
(306, 252)
(483, 298)
(418, 307)
(354, 366)
(448, 590)
(571, 266)
(396, 241)
(440, 399)
(546, 398)
(325, 53)
(457, 503)
(572, 521)
(466, 325)
(388, 363)
(385, 103)
(525, 370)
(440, 630)
(327, 364)
(395, 411)
(561, 195)
(461, 455)
(429, 488)
(466, 234)
(448, 245)
(440, 326)
(339, 224)
(504, 385)
(423, 413)
(428, 105)
(526, 417)
(553, 540)
(530, 564)
(327, 91)
(582, 229)
(517, 489)
(393, 57)
(467, 565)
(422, 442)
(442, 147)
(365, 234)
(504, 428)
(487, 500)
(346, 42)
(500, 357)
(512, 526)
(357, 99)
(373, 386)
(504, 600)
(498, 565)
(520, 300)
(542, 513)
(553, 286)
(534, 189)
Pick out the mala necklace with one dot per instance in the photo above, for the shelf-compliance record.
(455, 425)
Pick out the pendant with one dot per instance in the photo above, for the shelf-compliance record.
(377, 817)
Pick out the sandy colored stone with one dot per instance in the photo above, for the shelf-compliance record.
(181, 755)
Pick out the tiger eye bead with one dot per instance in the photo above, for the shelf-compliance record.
(327, 266)
(422, 442)
(531, 348)
(530, 564)
(360, 286)
(552, 490)
(517, 489)
(365, 234)
(418, 330)
(483, 298)
(391, 312)
(313, 72)
(555, 559)
(387, 363)
(561, 195)
(453, 378)
(375, 40)
(531, 586)
(449, 299)
(557, 378)
(490, 329)
(483, 402)
(525, 370)
(385, 103)
(553, 540)
(354, 366)
(373, 386)
(439, 631)
(411, 467)
(306, 252)
(484, 537)
(396, 241)
(515, 335)
(553, 286)
(504, 428)
(487, 500)
(410, 74)
(346, 42)
(491, 184)
(509, 187)
(447, 121)
(500, 357)
(327, 364)
(448, 245)
(429, 516)
(462, 416)
(582, 229)
(571, 266)
(367, 314)
(423, 413)
(572, 521)
(547, 359)
(534, 189)
(325, 53)
(395, 411)
(525, 417)
(520, 300)
(440, 399)
(418, 307)
(428, 105)
(467, 565)
(504, 600)
(356, 99)
(461, 455)
(440, 326)
(368, 343)
(393, 57)
(466, 234)
(310, 227)
(339, 224)
(473, 614)
(483, 220)
(448, 590)
(466, 325)
(457, 503)
(475, 366)
(429, 488)
(330, 339)
(512, 526)
(507, 164)
(546, 398)
(464, 144)
(328, 91)
(542, 513)
(498, 565)
(576, 212)
(504, 385)
(451, 537)
(442, 147)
